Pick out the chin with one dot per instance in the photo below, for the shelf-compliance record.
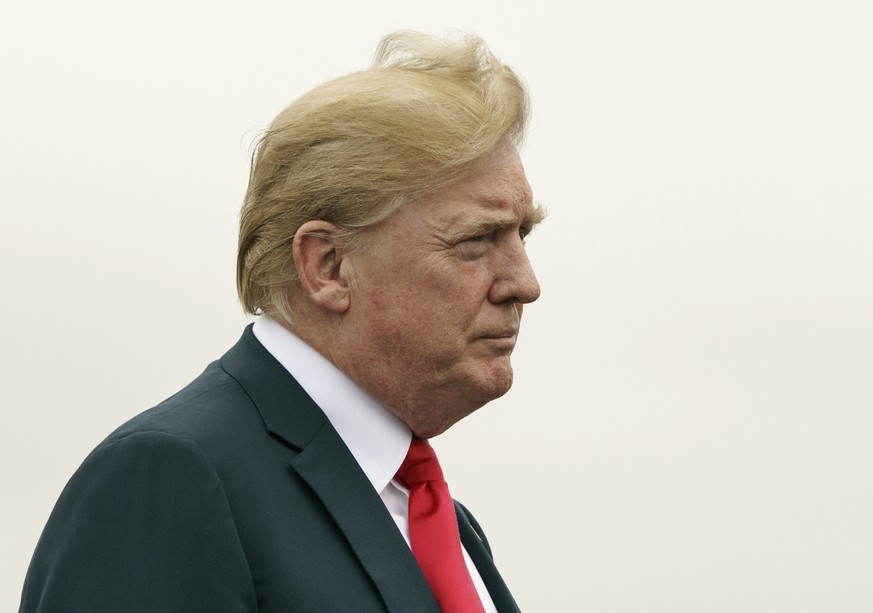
(495, 383)
(464, 395)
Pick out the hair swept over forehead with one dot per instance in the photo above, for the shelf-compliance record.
(352, 150)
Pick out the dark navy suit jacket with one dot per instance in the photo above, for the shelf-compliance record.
(234, 495)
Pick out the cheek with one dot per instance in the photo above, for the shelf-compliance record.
(425, 309)
(424, 329)
(396, 317)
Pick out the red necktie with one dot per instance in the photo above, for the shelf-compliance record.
(433, 531)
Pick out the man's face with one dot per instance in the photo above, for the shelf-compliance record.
(437, 296)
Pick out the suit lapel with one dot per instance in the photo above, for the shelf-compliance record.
(481, 556)
(329, 468)
(366, 524)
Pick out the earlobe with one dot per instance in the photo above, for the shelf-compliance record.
(318, 253)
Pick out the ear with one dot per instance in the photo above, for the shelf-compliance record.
(318, 256)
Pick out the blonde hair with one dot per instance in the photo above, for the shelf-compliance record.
(354, 149)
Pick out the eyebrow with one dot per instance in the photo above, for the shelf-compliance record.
(537, 215)
(534, 217)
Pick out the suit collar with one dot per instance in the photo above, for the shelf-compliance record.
(377, 438)
(287, 411)
(330, 470)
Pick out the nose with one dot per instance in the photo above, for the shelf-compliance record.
(515, 281)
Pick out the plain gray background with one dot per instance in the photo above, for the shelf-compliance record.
(691, 424)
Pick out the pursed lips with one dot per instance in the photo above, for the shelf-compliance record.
(500, 335)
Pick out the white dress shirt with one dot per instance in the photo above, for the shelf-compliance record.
(377, 438)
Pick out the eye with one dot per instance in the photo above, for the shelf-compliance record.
(485, 237)
(475, 246)
(523, 234)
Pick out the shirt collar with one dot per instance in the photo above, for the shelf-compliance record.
(377, 438)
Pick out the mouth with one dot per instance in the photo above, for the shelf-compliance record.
(507, 333)
(502, 339)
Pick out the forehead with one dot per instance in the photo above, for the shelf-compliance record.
(498, 186)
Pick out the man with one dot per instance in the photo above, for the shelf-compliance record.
(381, 244)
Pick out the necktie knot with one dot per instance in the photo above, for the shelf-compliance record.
(421, 464)
(433, 531)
